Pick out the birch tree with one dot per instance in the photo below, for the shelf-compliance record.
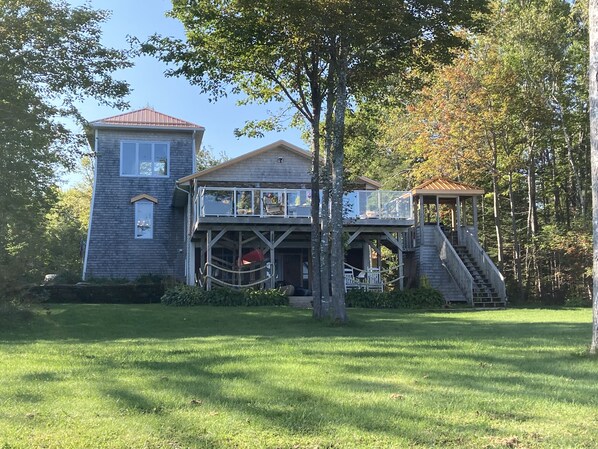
(593, 9)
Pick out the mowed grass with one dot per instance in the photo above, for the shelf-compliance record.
(107, 376)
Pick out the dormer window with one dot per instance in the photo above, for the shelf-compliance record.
(146, 159)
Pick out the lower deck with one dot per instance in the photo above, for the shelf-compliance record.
(281, 256)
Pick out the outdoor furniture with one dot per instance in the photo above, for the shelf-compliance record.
(274, 209)
(272, 206)
(351, 282)
(374, 280)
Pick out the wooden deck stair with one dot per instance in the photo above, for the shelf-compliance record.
(484, 295)
(455, 272)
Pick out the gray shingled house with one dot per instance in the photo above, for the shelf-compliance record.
(246, 222)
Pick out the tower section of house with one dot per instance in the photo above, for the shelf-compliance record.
(134, 229)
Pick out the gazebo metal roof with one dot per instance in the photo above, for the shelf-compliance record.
(443, 186)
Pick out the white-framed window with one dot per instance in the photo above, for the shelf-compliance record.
(150, 159)
(144, 219)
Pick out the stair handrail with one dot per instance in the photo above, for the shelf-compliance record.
(484, 261)
(454, 264)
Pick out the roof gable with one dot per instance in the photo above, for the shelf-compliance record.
(145, 118)
(277, 150)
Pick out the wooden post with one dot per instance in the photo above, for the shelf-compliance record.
(401, 270)
(209, 261)
(458, 213)
(272, 261)
(397, 242)
(421, 219)
(240, 253)
(475, 217)
(453, 218)
(191, 262)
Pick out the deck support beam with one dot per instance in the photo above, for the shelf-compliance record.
(272, 244)
(354, 235)
(399, 246)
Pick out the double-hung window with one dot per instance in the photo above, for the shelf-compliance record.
(151, 159)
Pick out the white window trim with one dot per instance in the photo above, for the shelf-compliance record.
(152, 143)
(151, 228)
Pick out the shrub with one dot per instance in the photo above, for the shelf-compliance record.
(184, 295)
(67, 277)
(156, 279)
(272, 297)
(14, 311)
(577, 301)
(416, 298)
(100, 293)
(16, 306)
(104, 281)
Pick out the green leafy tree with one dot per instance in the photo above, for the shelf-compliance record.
(206, 158)
(316, 56)
(62, 243)
(509, 114)
(50, 58)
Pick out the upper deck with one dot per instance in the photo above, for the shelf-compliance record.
(281, 206)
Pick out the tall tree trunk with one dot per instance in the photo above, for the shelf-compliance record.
(532, 219)
(556, 191)
(594, 160)
(325, 259)
(575, 178)
(532, 211)
(497, 224)
(496, 205)
(338, 312)
(516, 245)
(316, 273)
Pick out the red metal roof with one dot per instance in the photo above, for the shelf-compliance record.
(145, 117)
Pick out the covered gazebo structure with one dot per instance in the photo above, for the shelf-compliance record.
(457, 197)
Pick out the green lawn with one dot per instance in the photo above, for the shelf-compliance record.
(104, 376)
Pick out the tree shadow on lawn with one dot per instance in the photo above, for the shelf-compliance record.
(103, 322)
(293, 409)
(286, 409)
(214, 360)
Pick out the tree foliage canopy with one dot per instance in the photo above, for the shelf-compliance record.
(316, 55)
(510, 115)
(51, 57)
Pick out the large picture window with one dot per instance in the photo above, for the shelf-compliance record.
(144, 219)
(144, 159)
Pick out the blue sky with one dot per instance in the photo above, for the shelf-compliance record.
(175, 96)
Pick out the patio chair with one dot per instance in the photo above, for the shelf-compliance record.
(374, 280)
(351, 282)
(271, 206)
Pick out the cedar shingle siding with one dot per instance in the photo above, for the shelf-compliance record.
(113, 250)
(277, 165)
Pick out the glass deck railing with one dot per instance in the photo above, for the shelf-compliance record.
(288, 203)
